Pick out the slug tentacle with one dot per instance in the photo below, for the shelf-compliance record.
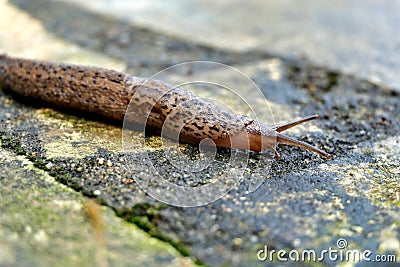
(280, 138)
(280, 127)
(121, 96)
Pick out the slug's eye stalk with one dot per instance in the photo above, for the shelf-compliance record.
(281, 138)
(258, 137)
(271, 136)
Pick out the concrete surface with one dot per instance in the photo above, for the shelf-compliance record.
(304, 201)
(362, 39)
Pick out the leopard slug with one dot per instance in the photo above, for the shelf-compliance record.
(121, 96)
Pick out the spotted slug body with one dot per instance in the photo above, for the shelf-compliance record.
(121, 96)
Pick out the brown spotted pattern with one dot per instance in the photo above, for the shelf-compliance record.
(108, 93)
(121, 96)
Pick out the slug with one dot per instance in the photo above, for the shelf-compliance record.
(121, 96)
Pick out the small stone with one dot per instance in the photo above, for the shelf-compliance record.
(253, 239)
(237, 241)
(296, 242)
(28, 229)
(97, 192)
(49, 165)
(228, 210)
(100, 161)
(128, 181)
(40, 237)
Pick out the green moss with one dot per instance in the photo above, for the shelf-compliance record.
(368, 151)
(12, 143)
(333, 78)
(387, 189)
(142, 216)
(154, 141)
(15, 145)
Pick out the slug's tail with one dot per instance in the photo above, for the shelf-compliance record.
(280, 138)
